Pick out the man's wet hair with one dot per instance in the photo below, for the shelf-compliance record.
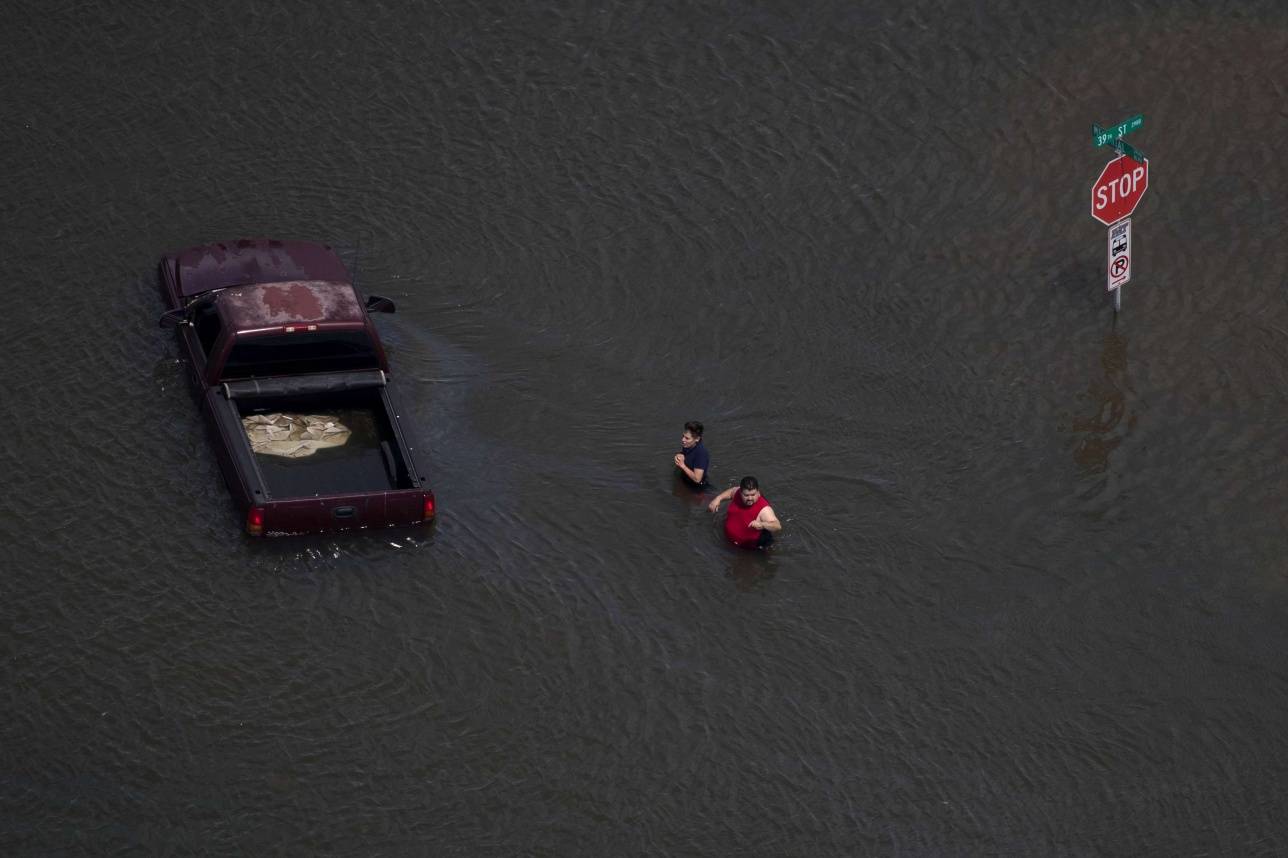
(748, 483)
(694, 428)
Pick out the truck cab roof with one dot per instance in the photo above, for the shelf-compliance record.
(291, 303)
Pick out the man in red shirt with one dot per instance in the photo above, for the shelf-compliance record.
(750, 522)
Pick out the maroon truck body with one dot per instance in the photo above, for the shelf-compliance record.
(274, 326)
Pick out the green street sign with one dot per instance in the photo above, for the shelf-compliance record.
(1122, 147)
(1106, 136)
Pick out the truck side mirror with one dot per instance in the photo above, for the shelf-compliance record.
(173, 318)
(378, 304)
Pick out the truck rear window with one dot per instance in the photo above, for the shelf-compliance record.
(297, 353)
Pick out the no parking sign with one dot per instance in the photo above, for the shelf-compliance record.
(1119, 253)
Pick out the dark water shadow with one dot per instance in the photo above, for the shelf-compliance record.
(1097, 433)
(1106, 418)
(750, 569)
(693, 496)
(1071, 281)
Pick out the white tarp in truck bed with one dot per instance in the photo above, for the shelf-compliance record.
(293, 435)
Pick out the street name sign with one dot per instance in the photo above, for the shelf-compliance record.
(1122, 147)
(1106, 136)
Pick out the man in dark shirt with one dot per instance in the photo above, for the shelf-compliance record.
(693, 460)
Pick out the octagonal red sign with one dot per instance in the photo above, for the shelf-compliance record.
(1121, 185)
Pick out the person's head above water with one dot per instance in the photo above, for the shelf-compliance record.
(692, 434)
(749, 490)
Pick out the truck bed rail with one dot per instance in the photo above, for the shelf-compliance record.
(323, 382)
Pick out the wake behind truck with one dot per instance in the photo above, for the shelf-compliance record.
(294, 387)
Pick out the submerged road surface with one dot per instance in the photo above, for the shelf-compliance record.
(1030, 594)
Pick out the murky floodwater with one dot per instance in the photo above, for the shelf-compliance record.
(1030, 596)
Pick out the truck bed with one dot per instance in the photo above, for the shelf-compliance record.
(369, 461)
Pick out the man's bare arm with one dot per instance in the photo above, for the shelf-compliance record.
(721, 498)
(766, 520)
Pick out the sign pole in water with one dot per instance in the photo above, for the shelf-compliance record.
(1115, 195)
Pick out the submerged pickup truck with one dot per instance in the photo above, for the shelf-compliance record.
(294, 387)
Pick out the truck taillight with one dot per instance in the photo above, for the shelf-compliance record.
(255, 521)
(429, 507)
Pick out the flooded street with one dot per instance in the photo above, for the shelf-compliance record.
(1029, 597)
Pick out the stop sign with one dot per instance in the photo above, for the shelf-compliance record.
(1121, 185)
